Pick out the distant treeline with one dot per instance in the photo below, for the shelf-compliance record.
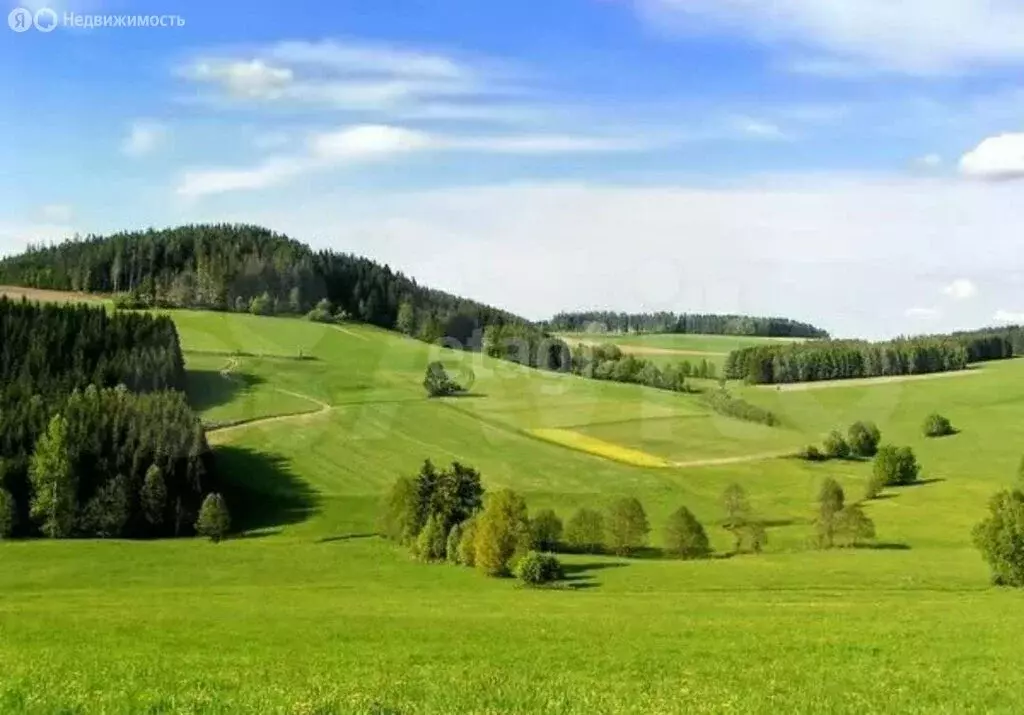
(681, 323)
(96, 436)
(838, 360)
(250, 269)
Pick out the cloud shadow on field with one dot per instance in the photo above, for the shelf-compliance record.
(209, 388)
(261, 489)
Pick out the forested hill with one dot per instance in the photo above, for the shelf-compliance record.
(229, 266)
(682, 323)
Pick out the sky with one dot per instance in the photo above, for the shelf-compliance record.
(858, 164)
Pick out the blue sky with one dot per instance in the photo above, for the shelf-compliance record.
(851, 162)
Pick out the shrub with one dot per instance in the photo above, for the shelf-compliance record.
(214, 520)
(466, 554)
(535, 569)
(723, 403)
(451, 547)
(876, 483)
(853, 526)
(432, 540)
(627, 526)
(7, 514)
(546, 530)
(262, 305)
(836, 446)
(895, 466)
(321, 312)
(938, 426)
(437, 382)
(1000, 538)
(685, 537)
(811, 454)
(502, 534)
(863, 438)
(585, 531)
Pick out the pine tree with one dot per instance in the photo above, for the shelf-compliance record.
(214, 520)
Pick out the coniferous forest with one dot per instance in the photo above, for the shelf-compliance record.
(681, 324)
(96, 435)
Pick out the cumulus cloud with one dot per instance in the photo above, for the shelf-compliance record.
(851, 37)
(999, 157)
(961, 289)
(144, 137)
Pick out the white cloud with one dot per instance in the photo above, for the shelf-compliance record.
(961, 289)
(374, 142)
(1009, 316)
(144, 137)
(758, 128)
(999, 157)
(368, 58)
(782, 245)
(244, 79)
(56, 213)
(923, 313)
(847, 37)
(929, 161)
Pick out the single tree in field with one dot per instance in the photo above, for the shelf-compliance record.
(214, 520)
(830, 503)
(895, 466)
(154, 496)
(502, 533)
(836, 446)
(685, 536)
(863, 438)
(54, 485)
(437, 382)
(737, 512)
(627, 526)
(853, 526)
(1000, 538)
(546, 530)
(8, 514)
(938, 426)
(585, 531)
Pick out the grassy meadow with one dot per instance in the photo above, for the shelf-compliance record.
(663, 349)
(309, 612)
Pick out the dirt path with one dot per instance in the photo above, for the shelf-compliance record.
(732, 460)
(217, 434)
(866, 381)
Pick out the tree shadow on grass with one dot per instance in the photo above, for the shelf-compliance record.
(261, 490)
(921, 483)
(345, 537)
(883, 546)
(581, 576)
(209, 388)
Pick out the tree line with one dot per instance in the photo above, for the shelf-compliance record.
(96, 435)
(244, 268)
(681, 323)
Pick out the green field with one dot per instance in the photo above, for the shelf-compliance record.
(310, 612)
(664, 349)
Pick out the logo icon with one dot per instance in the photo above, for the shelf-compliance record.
(20, 19)
(45, 20)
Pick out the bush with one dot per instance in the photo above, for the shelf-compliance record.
(585, 532)
(437, 382)
(321, 313)
(214, 520)
(546, 530)
(1000, 538)
(836, 446)
(895, 466)
(685, 537)
(938, 426)
(853, 526)
(432, 541)
(262, 305)
(7, 514)
(535, 569)
(723, 403)
(627, 526)
(466, 554)
(811, 454)
(863, 438)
